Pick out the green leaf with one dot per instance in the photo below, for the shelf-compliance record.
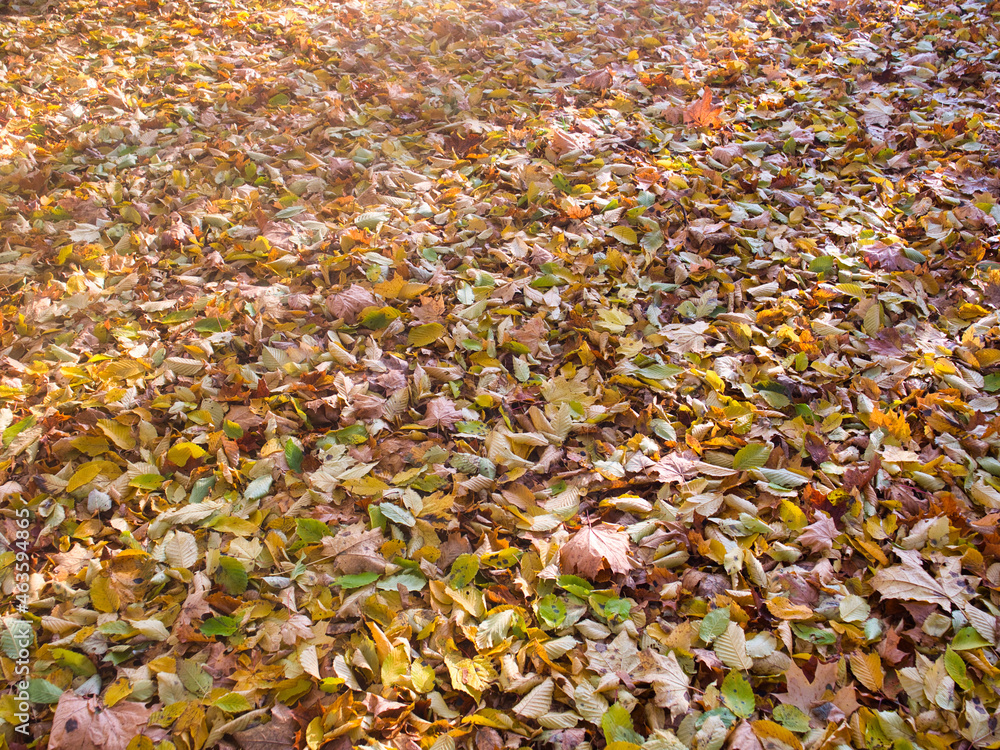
(258, 488)
(652, 241)
(287, 213)
(232, 576)
(16, 429)
(232, 430)
(201, 488)
(784, 478)
(370, 220)
(714, 624)
(310, 531)
(992, 382)
(618, 727)
(293, 456)
(278, 100)
(791, 717)
(78, 664)
(178, 316)
(623, 234)
(356, 580)
(410, 579)
(233, 703)
(576, 586)
(552, 611)
(211, 325)
(955, 666)
(738, 694)
(222, 625)
(356, 434)
(398, 515)
(43, 691)
(752, 456)
(463, 571)
(194, 677)
(819, 636)
(147, 481)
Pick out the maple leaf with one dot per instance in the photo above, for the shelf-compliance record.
(87, 724)
(355, 549)
(280, 731)
(349, 302)
(805, 694)
(702, 114)
(888, 257)
(441, 413)
(430, 310)
(674, 468)
(912, 583)
(819, 535)
(591, 548)
(598, 80)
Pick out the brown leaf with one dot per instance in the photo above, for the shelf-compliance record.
(589, 549)
(356, 550)
(349, 302)
(430, 310)
(819, 535)
(87, 724)
(278, 733)
(803, 693)
(743, 738)
(441, 413)
(816, 447)
(911, 583)
(598, 80)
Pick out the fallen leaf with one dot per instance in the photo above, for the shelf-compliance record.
(590, 549)
(87, 724)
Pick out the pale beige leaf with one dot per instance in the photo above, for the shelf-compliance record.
(537, 702)
(731, 647)
(910, 583)
(181, 550)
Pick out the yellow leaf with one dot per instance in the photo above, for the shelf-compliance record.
(390, 289)
(422, 677)
(395, 666)
(181, 453)
(103, 597)
(86, 474)
(314, 733)
(769, 730)
(625, 235)
(119, 434)
(120, 690)
(784, 609)
(868, 669)
(426, 334)
(90, 444)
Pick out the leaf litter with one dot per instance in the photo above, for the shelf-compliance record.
(474, 374)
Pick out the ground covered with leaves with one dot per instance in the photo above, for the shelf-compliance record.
(477, 375)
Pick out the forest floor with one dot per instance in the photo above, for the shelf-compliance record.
(487, 375)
